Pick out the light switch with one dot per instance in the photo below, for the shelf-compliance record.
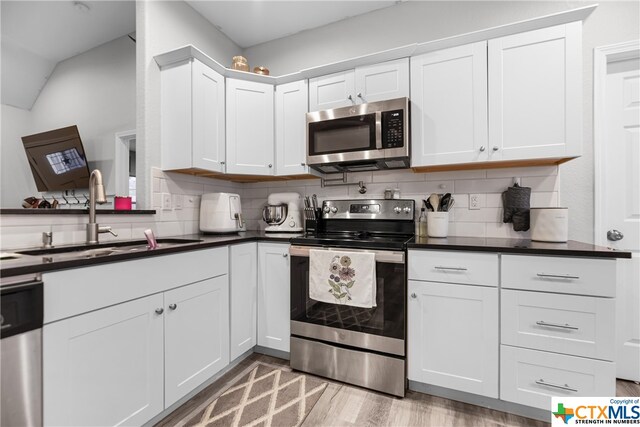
(177, 201)
(166, 201)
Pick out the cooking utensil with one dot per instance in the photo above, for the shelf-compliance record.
(427, 204)
(314, 200)
(434, 199)
(307, 203)
(274, 214)
(444, 203)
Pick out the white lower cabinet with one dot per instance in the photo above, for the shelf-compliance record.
(273, 296)
(243, 271)
(106, 367)
(196, 335)
(531, 377)
(125, 363)
(453, 336)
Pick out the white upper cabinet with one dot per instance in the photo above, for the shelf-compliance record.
(332, 91)
(378, 82)
(250, 136)
(535, 94)
(449, 106)
(386, 80)
(192, 117)
(291, 107)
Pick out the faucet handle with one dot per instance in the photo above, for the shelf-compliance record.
(107, 229)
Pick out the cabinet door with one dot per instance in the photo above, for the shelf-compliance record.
(453, 336)
(273, 296)
(208, 147)
(196, 325)
(449, 106)
(535, 84)
(291, 136)
(378, 82)
(105, 367)
(332, 91)
(244, 297)
(250, 139)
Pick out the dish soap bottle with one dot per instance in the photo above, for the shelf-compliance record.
(422, 223)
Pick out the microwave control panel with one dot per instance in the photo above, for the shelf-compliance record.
(392, 129)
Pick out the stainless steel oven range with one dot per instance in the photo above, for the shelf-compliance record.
(360, 346)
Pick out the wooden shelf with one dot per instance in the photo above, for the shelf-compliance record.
(241, 178)
(492, 165)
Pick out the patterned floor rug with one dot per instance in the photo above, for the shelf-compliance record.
(265, 396)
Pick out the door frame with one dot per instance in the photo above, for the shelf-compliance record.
(602, 56)
(121, 161)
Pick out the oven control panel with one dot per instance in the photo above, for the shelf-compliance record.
(392, 129)
(395, 209)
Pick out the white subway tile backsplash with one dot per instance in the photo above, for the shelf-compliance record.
(541, 183)
(520, 172)
(426, 187)
(483, 185)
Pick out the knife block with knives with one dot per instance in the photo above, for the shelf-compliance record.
(312, 214)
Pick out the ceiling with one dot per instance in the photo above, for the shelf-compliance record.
(36, 35)
(248, 23)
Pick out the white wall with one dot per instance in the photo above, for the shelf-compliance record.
(420, 21)
(95, 91)
(160, 27)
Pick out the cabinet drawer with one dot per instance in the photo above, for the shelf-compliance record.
(469, 268)
(531, 377)
(582, 276)
(71, 292)
(577, 325)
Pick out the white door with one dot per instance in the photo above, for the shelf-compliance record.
(453, 336)
(243, 281)
(620, 202)
(250, 136)
(196, 342)
(208, 147)
(105, 368)
(535, 94)
(449, 106)
(291, 128)
(332, 91)
(274, 307)
(378, 82)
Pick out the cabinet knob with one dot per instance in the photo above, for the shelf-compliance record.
(359, 95)
(222, 163)
(482, 148)
(173, 306)
(414, 296)
(350, 98)
(159, 310)
(270, 165)
(496, 148)
(303, 164)
(285, 255)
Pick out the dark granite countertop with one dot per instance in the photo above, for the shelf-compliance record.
(516, 246)
(22, 211)
(32, 264)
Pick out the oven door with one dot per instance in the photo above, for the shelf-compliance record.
(343, 135)
(380, 328)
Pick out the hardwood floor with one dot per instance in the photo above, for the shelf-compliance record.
(343, 405)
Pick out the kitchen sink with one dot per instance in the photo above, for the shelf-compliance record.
(107, 248)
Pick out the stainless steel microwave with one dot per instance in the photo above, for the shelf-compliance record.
(358, 138)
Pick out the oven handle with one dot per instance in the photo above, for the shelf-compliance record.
(391, 257)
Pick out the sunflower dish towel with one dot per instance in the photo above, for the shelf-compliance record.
(347, 278)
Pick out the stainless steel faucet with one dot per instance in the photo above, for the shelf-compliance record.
(96, 195)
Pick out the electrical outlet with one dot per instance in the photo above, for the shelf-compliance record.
(177, 201)
(474, 201)
(166, 201)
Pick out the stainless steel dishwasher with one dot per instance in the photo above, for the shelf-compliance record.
(21, 313)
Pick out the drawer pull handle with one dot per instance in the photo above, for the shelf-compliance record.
(556, 325)
(561, 387)
(439, 267)
(558, 276)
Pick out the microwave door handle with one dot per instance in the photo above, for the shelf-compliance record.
(378, 130)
